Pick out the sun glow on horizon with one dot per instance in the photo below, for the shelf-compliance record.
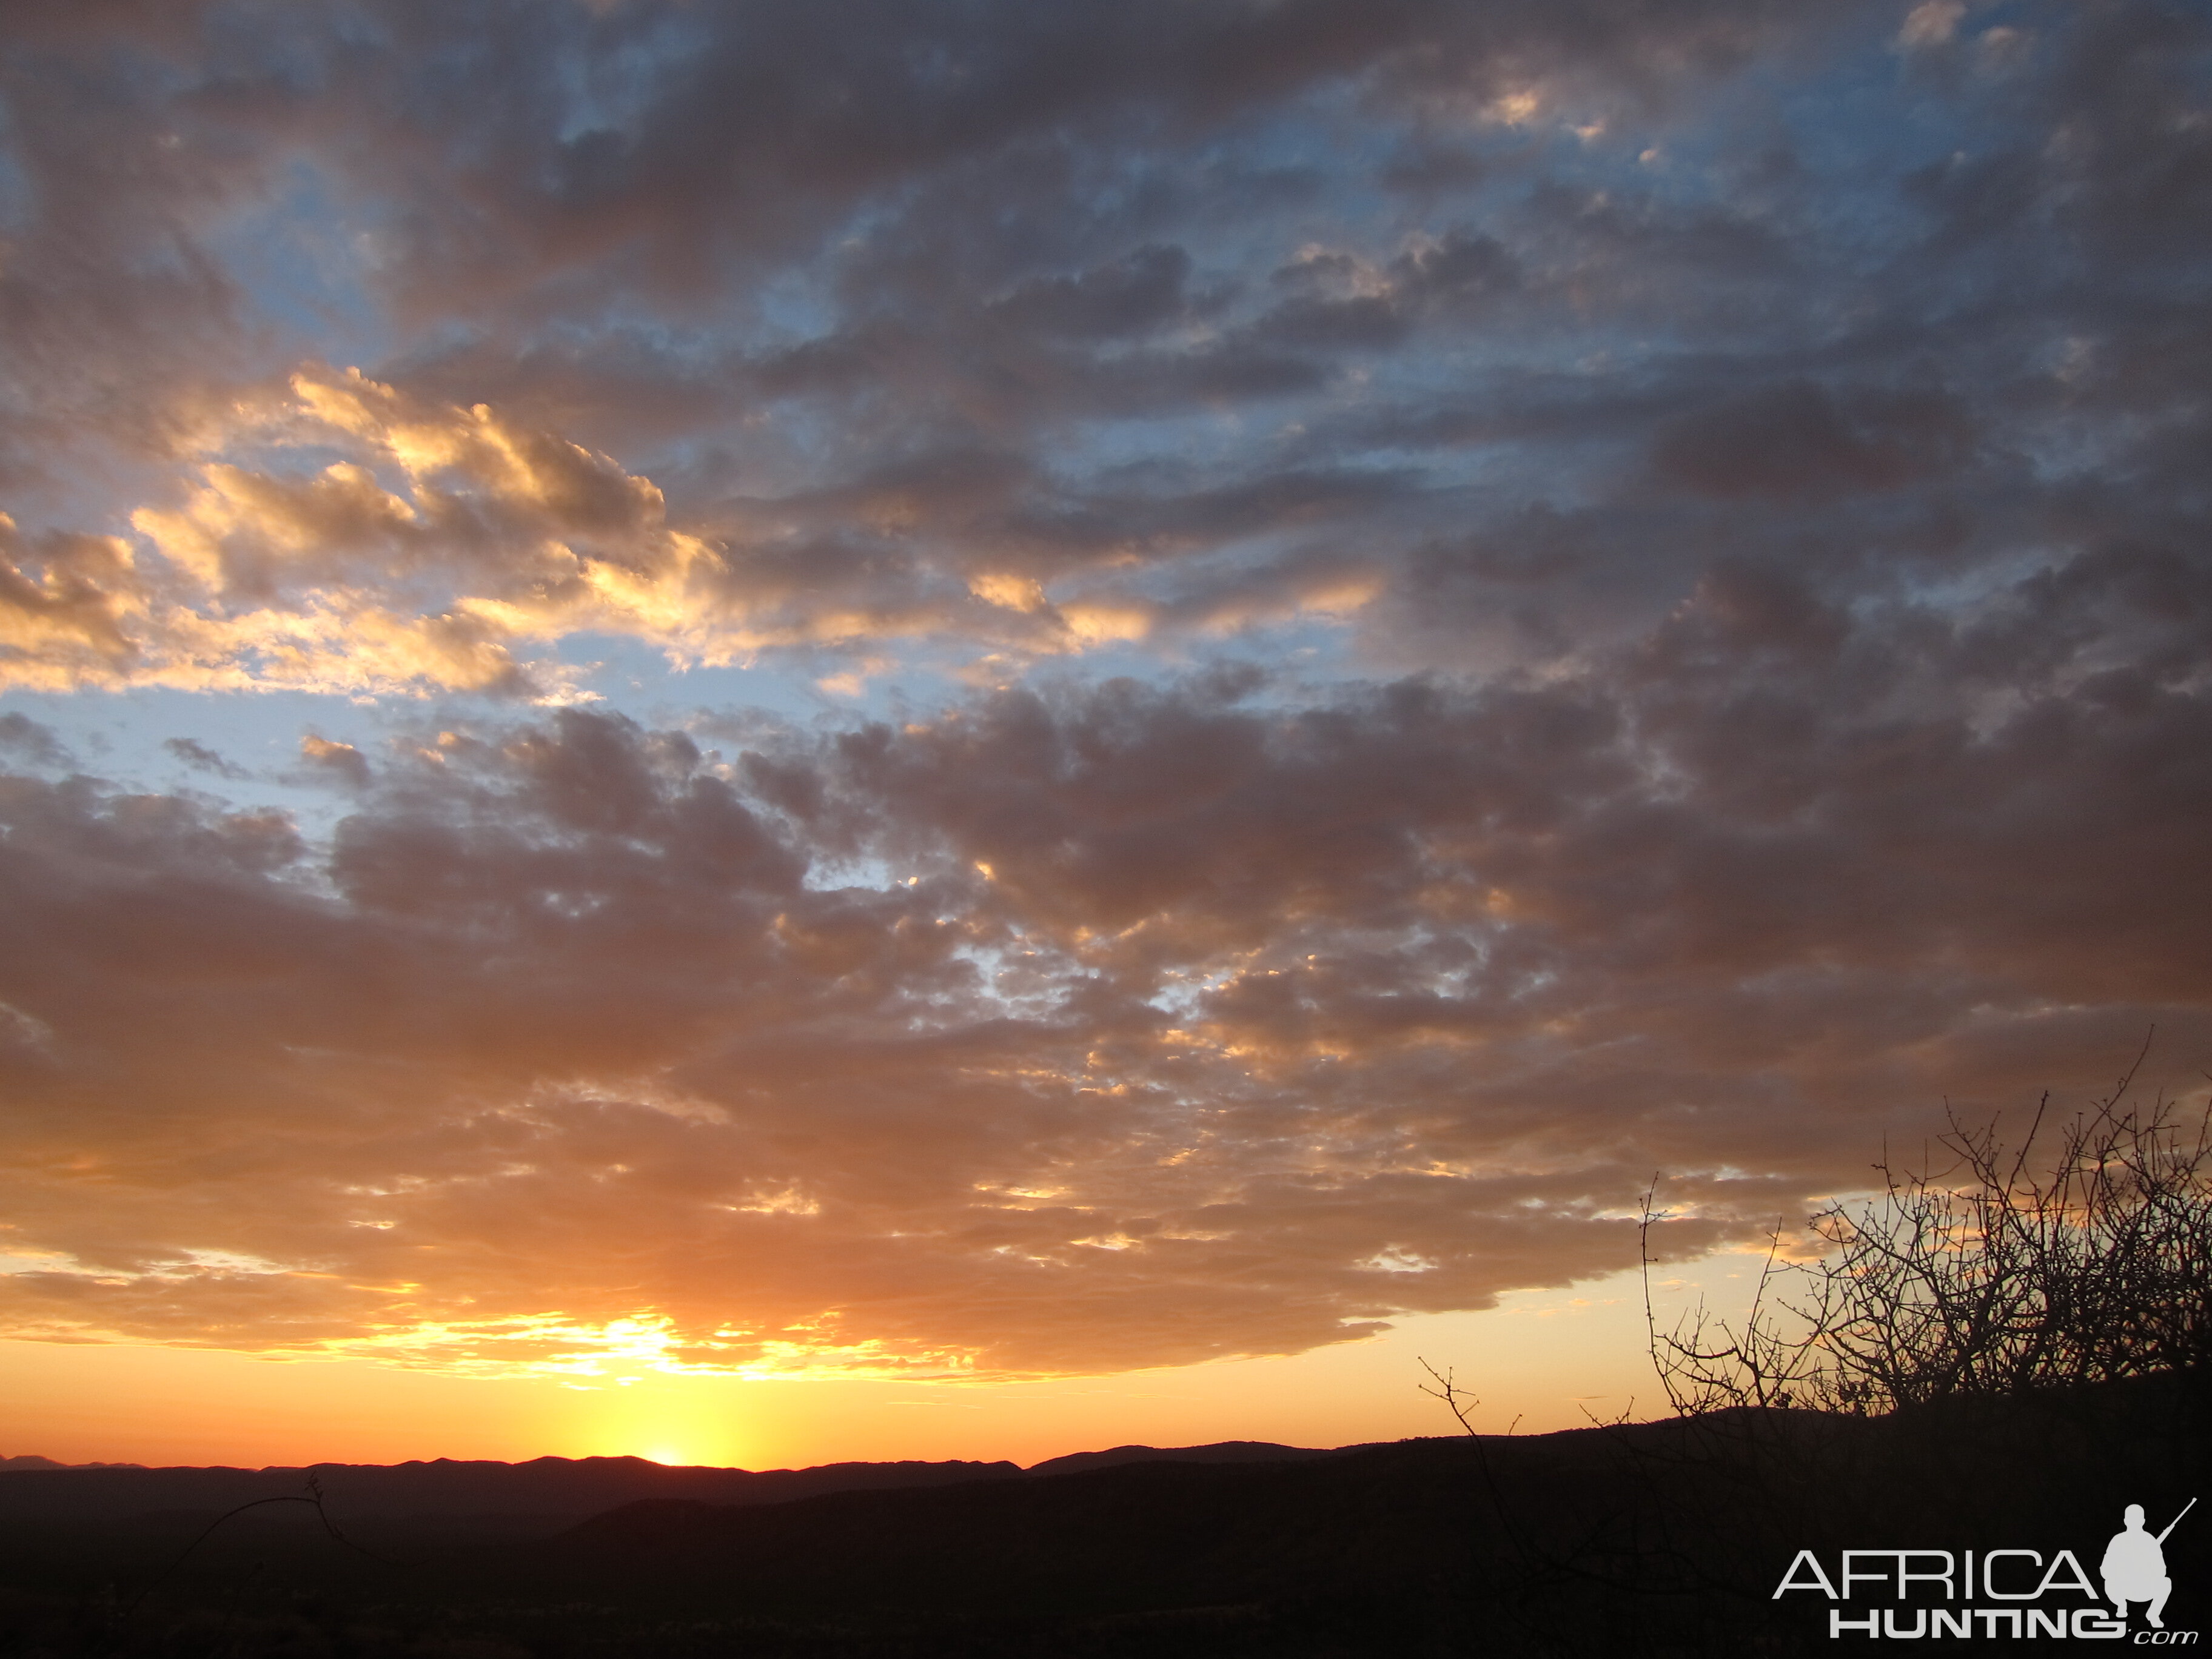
(83, 1402)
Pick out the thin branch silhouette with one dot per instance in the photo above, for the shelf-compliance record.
(313, 1499)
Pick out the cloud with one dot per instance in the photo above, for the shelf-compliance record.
(1168, 1011)
(1442, 607)
(339, 759)
(816, 389)
(31, 741)
(202, 758)
(449, 543)
(269, 576)
(1792, 441)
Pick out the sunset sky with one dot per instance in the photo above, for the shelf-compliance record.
(774, 731)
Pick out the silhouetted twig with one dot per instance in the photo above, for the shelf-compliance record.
(314, 1499)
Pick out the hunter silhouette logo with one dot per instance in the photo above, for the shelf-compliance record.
(2135, 1566)
(2029, 1590)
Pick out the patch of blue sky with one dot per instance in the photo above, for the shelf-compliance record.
(117, 735)
(1861, 128)
(828, 873)
(251, 741)
(999, 973)
(624, 331)
(692, 470)
(301, 256)
(1166, 451)
(1476, 369)
(1300, 660)
(1182, 993)
(1298, 177)
(1311, 161)
(1307, 661)
(1965, 591)
(789, 445)
(1118, 659)
(1242, 558)
(890, 681)
(637, 678)
(1439, 472)
(794, 306)
(607, 87)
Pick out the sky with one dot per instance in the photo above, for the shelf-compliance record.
(763, 731)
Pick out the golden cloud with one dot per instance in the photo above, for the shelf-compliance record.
(444, 548)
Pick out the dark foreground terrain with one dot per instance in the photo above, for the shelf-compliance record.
(1658, 1539)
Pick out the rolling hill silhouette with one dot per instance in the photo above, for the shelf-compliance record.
(547, 1491)
(1658, 1539)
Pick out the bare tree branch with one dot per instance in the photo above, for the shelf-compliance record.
(2046, 1264)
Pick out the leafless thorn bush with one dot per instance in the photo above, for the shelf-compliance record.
(2075, 1257)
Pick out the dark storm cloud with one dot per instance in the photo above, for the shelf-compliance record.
(1671, 542)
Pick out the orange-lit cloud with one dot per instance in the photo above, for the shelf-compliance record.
(451, 546)
(1173, 1028)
